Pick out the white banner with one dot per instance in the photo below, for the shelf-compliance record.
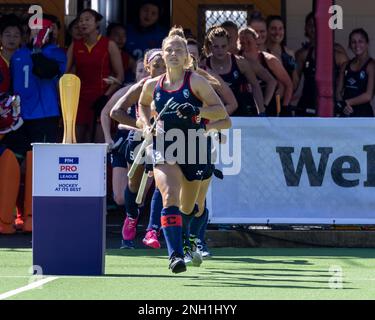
(297, 171)
(69, 170)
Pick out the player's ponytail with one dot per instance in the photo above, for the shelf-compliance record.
(177, 33)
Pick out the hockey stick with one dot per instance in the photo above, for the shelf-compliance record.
(146, 142)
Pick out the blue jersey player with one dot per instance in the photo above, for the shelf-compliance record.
(190, 97)
(35, 72)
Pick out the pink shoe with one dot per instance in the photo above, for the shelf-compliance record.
(129, 230)
(151, 239)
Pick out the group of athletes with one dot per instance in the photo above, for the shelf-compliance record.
(253, 80)
(246, 73)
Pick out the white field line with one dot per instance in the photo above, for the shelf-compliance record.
(30, 286)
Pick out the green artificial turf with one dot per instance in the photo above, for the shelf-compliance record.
(233, 274)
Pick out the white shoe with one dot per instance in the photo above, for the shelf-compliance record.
(192, 258)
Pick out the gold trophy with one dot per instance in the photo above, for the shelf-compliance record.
(70, 86)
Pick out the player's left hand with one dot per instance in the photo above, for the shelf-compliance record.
(348, 110)
(188, 111)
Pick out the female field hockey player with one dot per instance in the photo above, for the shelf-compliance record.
(186, 98)
(356, 82)
(235, 71)
(154, 64)
(118, 161)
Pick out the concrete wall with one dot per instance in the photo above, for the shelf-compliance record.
(360, 13)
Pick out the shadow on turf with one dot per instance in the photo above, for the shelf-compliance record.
(219, 279)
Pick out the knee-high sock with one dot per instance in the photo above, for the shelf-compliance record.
(131, 206)
(202, 231)
(197, 224)
(186, 221)
(155, 212)
(171, 222)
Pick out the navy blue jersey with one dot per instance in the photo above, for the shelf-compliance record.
(175, 99)
(39, 97)
(238, 83)
(288, 61)
(355, 84)
(308, 101)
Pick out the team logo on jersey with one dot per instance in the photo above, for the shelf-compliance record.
(186, 93)
(236, 74)
(352, 81)
(199, 172)
(158, 96)
(362, 75)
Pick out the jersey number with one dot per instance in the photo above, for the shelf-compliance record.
(26, 70)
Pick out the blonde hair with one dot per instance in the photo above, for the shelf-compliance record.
(250, 31)
(177, 31)
(177, 34)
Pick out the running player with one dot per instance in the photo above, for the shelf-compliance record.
(117, 145)
(93, 58)
(234, 70)
(154, 64)
(356, 81)
(249, 45)
(188, 98)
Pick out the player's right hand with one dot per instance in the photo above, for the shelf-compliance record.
(187, 111)
(148, 133)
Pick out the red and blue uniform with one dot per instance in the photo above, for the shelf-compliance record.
(197, 168)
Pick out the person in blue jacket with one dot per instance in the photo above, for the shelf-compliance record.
(146, 33)
(35, 71)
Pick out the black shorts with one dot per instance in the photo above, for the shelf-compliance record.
(196, 168)
(118, 159)
(363, 111)
(133, 142)
(194, 172)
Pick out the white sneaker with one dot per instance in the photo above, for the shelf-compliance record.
(192, 257)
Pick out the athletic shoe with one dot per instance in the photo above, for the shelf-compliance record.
(192, 257)
(151, 239)
(127, 244)
(129, 230)
(202, 247)
(177, 264)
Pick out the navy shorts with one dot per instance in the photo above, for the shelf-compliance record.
(201, 169)
(133, 142)
(118, 159)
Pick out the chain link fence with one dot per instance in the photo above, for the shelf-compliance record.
(213, 15)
